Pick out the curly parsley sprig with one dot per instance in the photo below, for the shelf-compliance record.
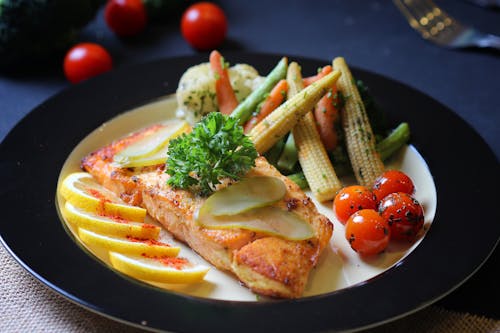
(215, 149)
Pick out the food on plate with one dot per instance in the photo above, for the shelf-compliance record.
(368, 233)
(127, 244)
(245, 195)
(280, 270)
(392, 181)
(86, 60)
(108, 224)
(163, 269)
(216, 149)
(404, 214)
(267, 132)
(275, 98)
(152, 149)
(82, 190)
(226, 98)
(359, 138)
(124, 240)
(352, 198)
(204, 25)
(213, 179)
(196, 90)
(311, 152)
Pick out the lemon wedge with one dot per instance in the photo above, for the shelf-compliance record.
(108, 225)
(151, 149)
(128, 245)
(158, 268)
(82, 190)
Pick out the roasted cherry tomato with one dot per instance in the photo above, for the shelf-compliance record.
(367, 232)
(204, 25)
(125, 17)
(86, 60)
(350, 199)
(404, 214)
(392, 181)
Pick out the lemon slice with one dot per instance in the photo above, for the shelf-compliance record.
(154, 145)
(82, 190)
(128, 245)
(108, 225)
(158, 269)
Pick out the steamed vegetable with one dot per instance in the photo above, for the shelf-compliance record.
(286, 116)
(359, 138)
(245, 109)
(271, 102)
(196, 94)
(313, 157)
(226, 99)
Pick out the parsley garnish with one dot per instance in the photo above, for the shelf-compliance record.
(215, 149)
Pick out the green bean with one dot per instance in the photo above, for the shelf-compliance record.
(273, 154)
(289, 156)
(397, 138)
(245, 109)
(299, 179)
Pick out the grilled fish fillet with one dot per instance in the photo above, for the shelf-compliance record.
(268, 265)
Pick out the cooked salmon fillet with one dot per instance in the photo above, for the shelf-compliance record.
(268, 265)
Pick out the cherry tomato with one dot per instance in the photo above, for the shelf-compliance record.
(204, 25)
(350, 199)
(125, 17)
(367, 232)
(392, 181)
(404, 214)
(86, 60)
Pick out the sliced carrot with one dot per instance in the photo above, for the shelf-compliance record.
(226, 99)
(324, 71)
(273, 100)
(326, 114)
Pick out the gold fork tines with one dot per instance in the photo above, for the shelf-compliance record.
(427, 18)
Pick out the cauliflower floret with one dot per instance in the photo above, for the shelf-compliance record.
(196, 91)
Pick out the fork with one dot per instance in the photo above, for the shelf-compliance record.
(435, 25)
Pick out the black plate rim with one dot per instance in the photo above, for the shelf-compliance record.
(282, 311)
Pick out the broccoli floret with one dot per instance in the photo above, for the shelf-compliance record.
(33, 30)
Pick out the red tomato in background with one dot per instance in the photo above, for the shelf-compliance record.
(350, 199)
(125, 17)
(367, 232)
(392, 181)
(404, 214)
(86, 60)
(204, 25)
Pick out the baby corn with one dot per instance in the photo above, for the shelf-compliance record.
(360, 141)
(265, 134)
(313, 157)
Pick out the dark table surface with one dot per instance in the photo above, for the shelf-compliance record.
(372, 35)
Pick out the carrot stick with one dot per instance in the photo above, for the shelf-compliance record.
(275, 98)
(324, 71)
(226, 99)
(326, 114)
